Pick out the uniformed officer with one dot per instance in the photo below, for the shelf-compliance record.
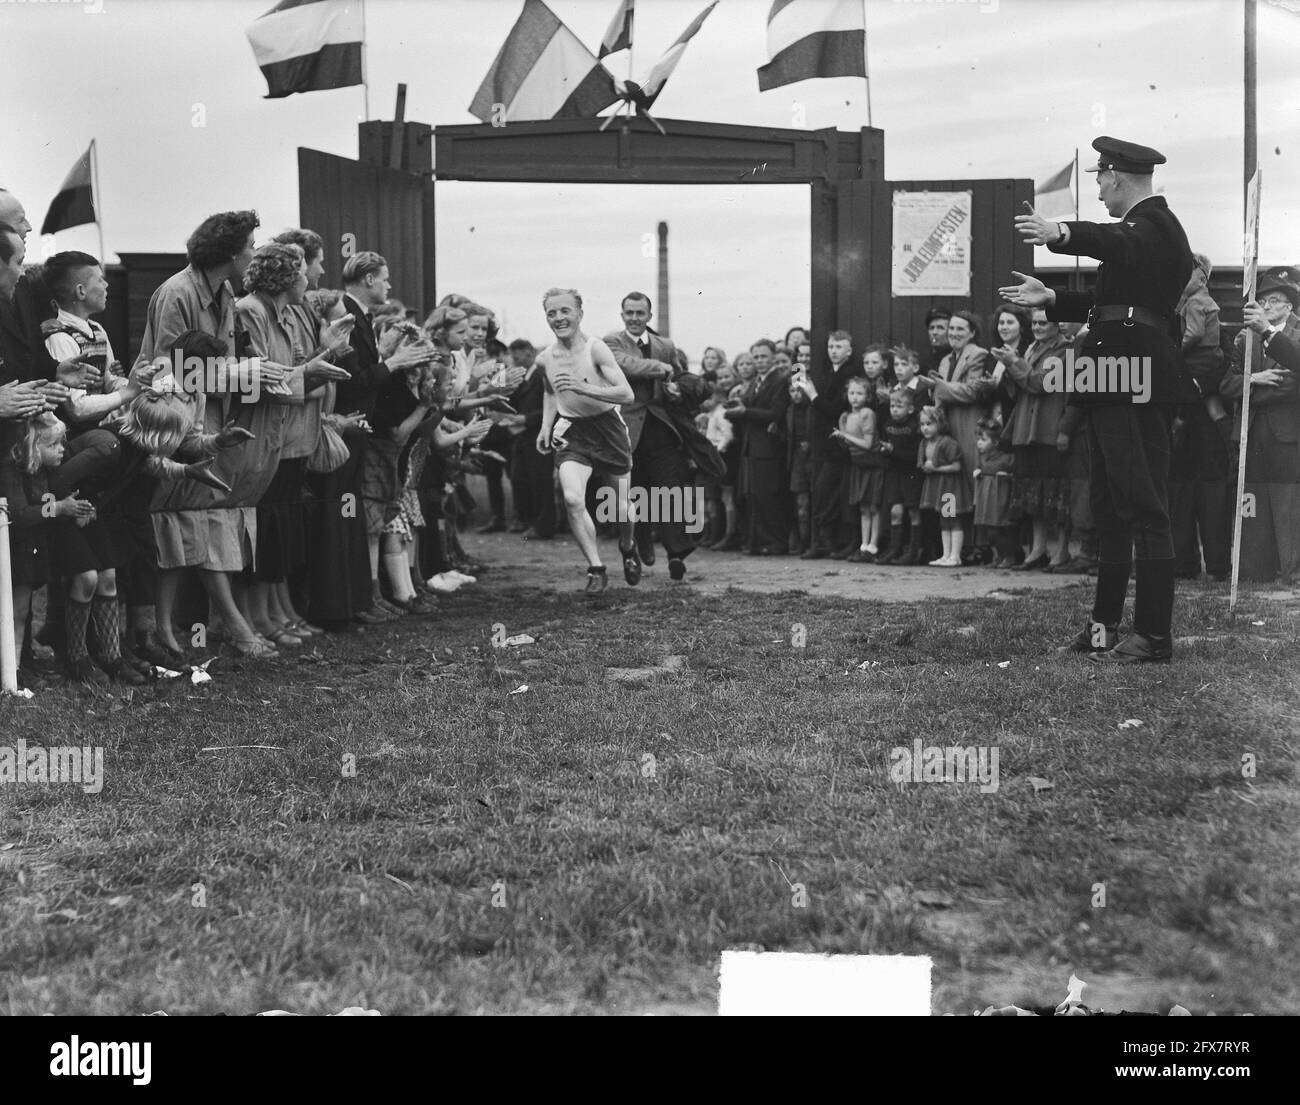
(1145, 264)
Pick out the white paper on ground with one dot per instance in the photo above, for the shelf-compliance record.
(783, 984)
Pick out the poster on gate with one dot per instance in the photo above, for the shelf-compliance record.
(931, 253)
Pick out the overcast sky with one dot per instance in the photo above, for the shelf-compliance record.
(994, 89)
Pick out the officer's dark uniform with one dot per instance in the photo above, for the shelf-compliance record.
(1146, 263)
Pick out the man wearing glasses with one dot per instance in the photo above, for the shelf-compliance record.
(1145, 265)
(1270, 533)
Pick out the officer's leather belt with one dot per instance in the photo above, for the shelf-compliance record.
(1131, 315)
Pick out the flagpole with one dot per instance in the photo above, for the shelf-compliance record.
(1249, 66)
(97, 197)
(866, 61)
(1078, 280)
(626, 105)
(365, 69)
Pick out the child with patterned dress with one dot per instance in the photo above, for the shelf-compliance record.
(993, 525)
(857, 430)
(943, 489)
(24, 483)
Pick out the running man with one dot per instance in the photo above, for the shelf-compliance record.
(582, 424)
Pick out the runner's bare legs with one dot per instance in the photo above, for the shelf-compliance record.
(573, 485)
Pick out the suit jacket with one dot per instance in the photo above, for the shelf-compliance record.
(765, 402)
(1280, 405)
(648, 398)
(528, 398)
(1145, 262)
(358, 393)
(828, 406)
(22, 348)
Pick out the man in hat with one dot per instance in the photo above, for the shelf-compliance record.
(1270, 532)
(1145, 265)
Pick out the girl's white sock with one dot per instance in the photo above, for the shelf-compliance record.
(399, 575)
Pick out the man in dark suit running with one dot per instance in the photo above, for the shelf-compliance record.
(660, 388)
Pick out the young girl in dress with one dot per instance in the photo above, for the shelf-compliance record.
(24, 482)
(944, 489)
(993, 525)
(866, 481)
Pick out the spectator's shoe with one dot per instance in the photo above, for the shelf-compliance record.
(1005, 563)
(121, 672)
(388, 606)
(631, 566)
(676, 568)
(844, 553)
(597, 580)
(1091, 642)
(912, 555)
(530, 534)
(645, 547)
(455, 574)
(860, 556)
(497, 525)
(1137, 649)
(160, 655)
(86, 672)
(131, 659)
(518, 527)
(418, 606)
(371, 617)
(1040, 561)
(815, 554)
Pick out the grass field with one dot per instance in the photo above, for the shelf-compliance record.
(591, 845)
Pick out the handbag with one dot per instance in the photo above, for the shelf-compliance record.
(331, 452)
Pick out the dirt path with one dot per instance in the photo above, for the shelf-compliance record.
(557, 565)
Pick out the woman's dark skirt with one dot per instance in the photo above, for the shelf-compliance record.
(281, 525)
(1040, 485)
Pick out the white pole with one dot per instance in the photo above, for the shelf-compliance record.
(1248, 290)
(8, 657)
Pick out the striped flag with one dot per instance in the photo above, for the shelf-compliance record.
(619, 35)
(308, 45)
(543, 71)
(814, 38)
(1055, 196)
(654, 83)
(75, 203)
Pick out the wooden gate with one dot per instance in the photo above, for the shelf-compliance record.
(358, 206)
